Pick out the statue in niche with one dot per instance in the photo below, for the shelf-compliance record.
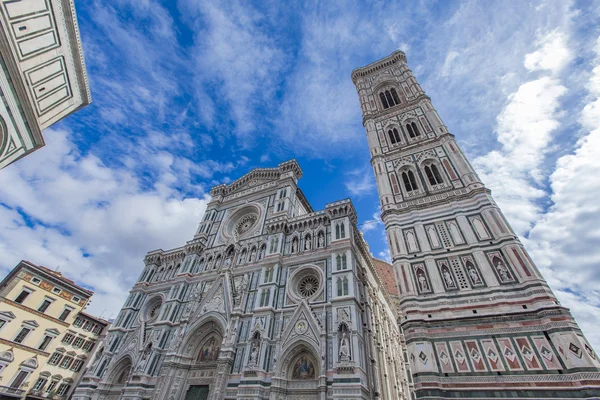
(294, 246)
(253, 355)
(233, 333)
(143, 359)
(448, 278)
(321, 240)
(344, 348)
(261, 252)
(228, 260)
(473, 274)
(252, 255)
(502, 270)
(177, 339)
(422, 281)
(307, 243)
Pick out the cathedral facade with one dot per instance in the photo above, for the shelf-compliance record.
(269, 300)
(479, 319)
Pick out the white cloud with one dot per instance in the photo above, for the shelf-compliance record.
(63, 208)
(525, 130)
(361, 182)
(553, 55)
(566, 240)
(447, 67)
(235, 56)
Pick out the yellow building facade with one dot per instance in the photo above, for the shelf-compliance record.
(45, 337)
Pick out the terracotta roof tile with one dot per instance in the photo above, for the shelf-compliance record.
(386, 272)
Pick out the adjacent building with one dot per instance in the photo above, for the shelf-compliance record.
(269, 300)
(479, 319)
(43, 77)
(46, 338)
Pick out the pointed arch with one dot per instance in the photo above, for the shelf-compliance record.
(199, 332)
(293, 352)
(120, 371)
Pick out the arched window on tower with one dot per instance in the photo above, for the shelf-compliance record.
(394, 136)
(410, 183)
(433, 174)
(389, 98)
(412, 130)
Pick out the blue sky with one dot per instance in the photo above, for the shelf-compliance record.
(188, 94)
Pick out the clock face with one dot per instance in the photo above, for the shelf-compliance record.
(301, 327)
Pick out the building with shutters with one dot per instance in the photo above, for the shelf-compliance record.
(46, 339)
(43, 77)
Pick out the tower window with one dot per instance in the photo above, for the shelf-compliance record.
(433, 175)
(342, 286)
(389, 98)
(412, 129)
(341, 262)
(394, 136)
(410, 183)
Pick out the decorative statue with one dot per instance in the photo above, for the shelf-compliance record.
(233, 333)
(253, 355)
(503, 271)
(448, 278)
(177, 339)
(474, 275)
(344, 348)
(307, 243)
(252, 255)
(321, 240)
(423, 282)
(294, 246)
(261, 254)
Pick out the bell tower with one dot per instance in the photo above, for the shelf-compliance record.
(479, 319)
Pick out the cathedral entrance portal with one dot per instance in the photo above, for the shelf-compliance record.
(303, 378)
(197, 392)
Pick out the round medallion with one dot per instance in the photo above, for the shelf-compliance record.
(301, 327)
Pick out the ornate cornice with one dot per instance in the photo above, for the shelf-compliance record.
(34, 312)
(23, 347)
(395, 58)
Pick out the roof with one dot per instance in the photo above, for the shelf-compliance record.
(97, 319)
(55, 275)
(386, 273)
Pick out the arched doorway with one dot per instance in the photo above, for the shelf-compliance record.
(206, 344)
(300, 373)
(119, 377)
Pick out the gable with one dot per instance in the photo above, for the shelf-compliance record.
(302, 325)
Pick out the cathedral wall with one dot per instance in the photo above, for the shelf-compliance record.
(267, 300)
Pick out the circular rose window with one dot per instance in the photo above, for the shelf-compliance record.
(245, 224)
(308, 286)
(306, 282)
(151, 309)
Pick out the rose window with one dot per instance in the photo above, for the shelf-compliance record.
(151, 309)
(308, 286)
(245, 224)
